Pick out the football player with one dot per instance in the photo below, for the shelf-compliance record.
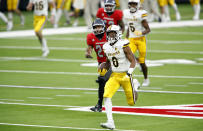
(96, 41)
(165, 11)
(12, 5)
(40, 17)
(60, 6)
(196, 8)
(137, 29)
(122, 62)
(5, 20)
(110, 15)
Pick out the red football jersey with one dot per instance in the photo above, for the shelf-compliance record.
(112, 19)
(97, 44)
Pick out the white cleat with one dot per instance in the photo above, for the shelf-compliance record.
(9, 25)
(75, 24)
(178, 17)
(136, 84)
(108, 125)
(146, 82)
(195, 17)
(45, 53)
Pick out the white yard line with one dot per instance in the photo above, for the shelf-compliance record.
(93, 74)
(43, 98)
(29, 104)
(68, 95)
(61, 127)
(10, 100)
(195, 83)
(84, 29)
(88, 89)
(176, 85)
(83, 49)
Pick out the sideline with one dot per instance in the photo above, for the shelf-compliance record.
(84, 29)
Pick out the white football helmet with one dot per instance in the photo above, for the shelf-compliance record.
(116, 29)
(133, 9)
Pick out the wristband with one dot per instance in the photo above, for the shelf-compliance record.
(130, 71)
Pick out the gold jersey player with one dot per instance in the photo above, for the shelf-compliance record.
(40, 17)
(137, 29)
(122, 62)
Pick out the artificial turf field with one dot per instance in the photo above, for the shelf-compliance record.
(36, 92)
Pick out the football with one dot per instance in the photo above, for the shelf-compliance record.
(104, 65)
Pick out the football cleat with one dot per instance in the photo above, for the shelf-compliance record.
(146, 82)
(9, 25)
(136, 84)
(178, 17)
(97, 108)
(108, 125)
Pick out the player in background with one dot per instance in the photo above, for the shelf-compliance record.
(110, 15)
(5, 20)
(96, 41)
(61, 8)
(137, 29)
(165, 11)
(40, 17)
(12, 6)
(122, 62)
(196, 7)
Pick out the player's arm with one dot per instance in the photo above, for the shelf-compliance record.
(121, 24)
(146, 26)
(88, 52)
(129, 55)
(29, 6)
(127, 33)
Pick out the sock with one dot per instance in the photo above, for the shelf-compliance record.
(108, 108)
(101, 91)
(166, 10)
(175, 8)
(197, 9)
(67, 15)
(3, 17)
(44, 44)
(10, 16)
(58, 16)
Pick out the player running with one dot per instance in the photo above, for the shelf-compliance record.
(122, 63)
(40, 17)
(96, 40)
(110, 15)
(137, 29)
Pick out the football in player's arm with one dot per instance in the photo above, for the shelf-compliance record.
(122, 63)
(110, 15)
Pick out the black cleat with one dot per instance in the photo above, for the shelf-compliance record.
(97, 108)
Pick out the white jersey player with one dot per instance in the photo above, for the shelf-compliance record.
(137, 29)
(122, 63)
(40, 16)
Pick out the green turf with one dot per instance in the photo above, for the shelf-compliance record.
(56, 116)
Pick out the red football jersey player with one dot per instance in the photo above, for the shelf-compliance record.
(109, 15)
(95, 41)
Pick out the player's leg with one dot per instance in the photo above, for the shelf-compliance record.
(59, 5)
(39, 22)
(130, 90)
(18, 12)
(102, 79)
(155, 10)
(10, 14)
(142, 48)
(196, 8)
(175, 7)
(162, 3)
(166, 11)
(111, 87)
(66, 8)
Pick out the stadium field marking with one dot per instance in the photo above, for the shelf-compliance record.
(91, 89)
(68, 95)
(11, 100)
(177, 33)
(92, 74)
(176, 85)
(83, 49)
(195, 83)
(90, 93)
(29, 104)
(43, 98)
(82, 29)
(61, 127)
